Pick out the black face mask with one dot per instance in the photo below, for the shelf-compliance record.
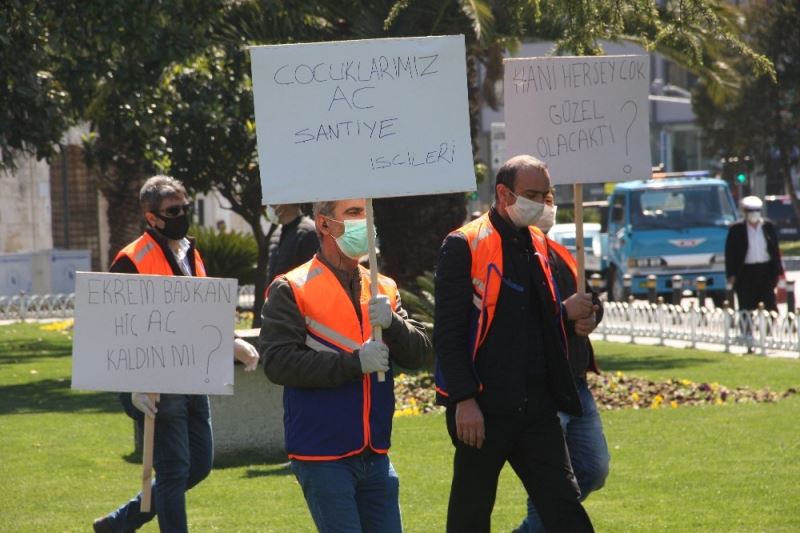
(175, 228)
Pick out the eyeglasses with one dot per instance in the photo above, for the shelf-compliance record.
(177, 210)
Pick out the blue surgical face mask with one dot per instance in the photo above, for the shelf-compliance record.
(354, 242)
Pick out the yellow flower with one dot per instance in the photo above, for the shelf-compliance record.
(58, 326)
(685, 382)
(673, 404)
(657, 401)
(618, 374)
(635, 396)
(719, 401)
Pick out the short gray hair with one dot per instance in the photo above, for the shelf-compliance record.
(324, 208)
(156, 189)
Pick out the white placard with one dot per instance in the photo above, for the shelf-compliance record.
(353, 119)
(586, 117)
(170, 334)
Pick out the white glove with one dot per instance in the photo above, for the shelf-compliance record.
(380, 311)
(245, 353)
(374, 357)
(143, 403)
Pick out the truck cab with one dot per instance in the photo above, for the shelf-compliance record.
(675, 223)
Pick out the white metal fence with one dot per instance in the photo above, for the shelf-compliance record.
(42, 306)
(759, 331)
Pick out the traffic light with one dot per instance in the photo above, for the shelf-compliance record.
(737, 170)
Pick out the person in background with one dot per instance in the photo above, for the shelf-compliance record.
(294, 243)
(183, 448)
(752, 257)
(316, 341)
(586, 443)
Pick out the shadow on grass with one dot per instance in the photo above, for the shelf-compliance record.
(283, 469)
(260, 464)
(626, 363)
(54, 396)
(21, 351)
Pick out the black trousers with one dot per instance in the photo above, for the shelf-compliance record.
(533, 443)
(755, 284)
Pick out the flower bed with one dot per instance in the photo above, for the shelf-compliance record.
(415, 394)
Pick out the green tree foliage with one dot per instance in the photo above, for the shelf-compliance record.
(166, 85)
(762, 118)
(33, 103)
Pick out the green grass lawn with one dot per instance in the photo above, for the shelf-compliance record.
(66, 455)
(790, 247)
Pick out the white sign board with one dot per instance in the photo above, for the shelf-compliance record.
(362, 119)
(170, 334)
(586, 117)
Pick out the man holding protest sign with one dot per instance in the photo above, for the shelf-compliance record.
(588, 450)
(316, 341)
(502, 367)
(183, 448)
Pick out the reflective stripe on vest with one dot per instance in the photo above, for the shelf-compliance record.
(486, 248)
(149, 258)
(330, 423)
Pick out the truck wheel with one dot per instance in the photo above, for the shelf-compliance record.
(613, 286)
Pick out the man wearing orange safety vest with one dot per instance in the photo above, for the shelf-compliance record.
(588, 450)
(316, 342)
(183, 448)
(502, 363)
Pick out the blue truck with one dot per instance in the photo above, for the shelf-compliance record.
(674, 223)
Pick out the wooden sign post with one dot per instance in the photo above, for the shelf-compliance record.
(377, 332)
(579, 247)
(147, 457)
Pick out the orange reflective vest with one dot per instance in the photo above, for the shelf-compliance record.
(149, 258)
(564, 254)
(324, 424)
(486, 274)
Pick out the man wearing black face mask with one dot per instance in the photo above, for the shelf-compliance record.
(183, 448)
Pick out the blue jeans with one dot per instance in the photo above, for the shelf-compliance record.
(182, 455)
(351, 495)
(588, 452)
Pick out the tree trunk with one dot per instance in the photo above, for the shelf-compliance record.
(411, 229)
(124, 215)
(262, 240)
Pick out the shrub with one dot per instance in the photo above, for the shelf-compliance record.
(228, 254)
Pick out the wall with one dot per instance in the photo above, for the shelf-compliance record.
(25, 210)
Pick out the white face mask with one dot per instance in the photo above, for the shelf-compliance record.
(272, 215)
(548, 218)
(524, 212)
(753, 217)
